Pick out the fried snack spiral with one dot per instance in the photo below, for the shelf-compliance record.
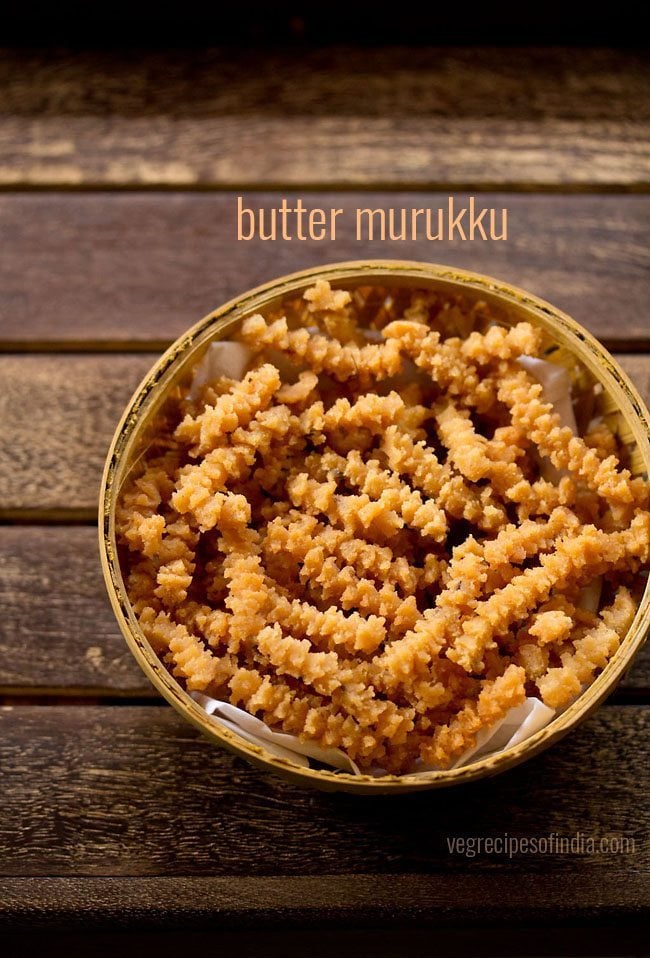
(536, 418)
(322, 354)
(234, 408)
(589, 651)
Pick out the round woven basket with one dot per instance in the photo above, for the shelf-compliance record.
(620, 403)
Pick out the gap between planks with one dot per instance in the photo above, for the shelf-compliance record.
(518, 187)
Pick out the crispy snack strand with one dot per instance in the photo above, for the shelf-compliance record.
(322, 354)
(382, 538)
(537, 419)
(234, 408)
(495, 700)
(576, 558)
(460, 499)
(472, 567)
(199, 489)
(589, 651)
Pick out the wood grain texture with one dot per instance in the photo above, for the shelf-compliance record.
(136, 269)
(93, 791)
(58, 634)
(302, 152)
(58, 414)
(345, 901)
(57, 417)
(393, 117)
(372, 81)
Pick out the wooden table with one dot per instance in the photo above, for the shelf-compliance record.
(117, 220)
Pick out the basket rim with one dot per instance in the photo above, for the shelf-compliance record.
(589, 351)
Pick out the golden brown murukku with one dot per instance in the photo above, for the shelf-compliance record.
(232, 409)
(538, 420)
(369, 549)
(589, 650)
(322, 354)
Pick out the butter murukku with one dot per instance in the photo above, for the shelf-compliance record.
(589, 650)
(536, 418)
(460, 499)
(383, 538)
(230, 410)
(322, 354)
(494, 701)
(578, 558)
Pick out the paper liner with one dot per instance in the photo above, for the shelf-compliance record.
(517, 725)
(232, 359)
(279, 743)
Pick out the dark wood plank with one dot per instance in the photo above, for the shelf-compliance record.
(331, 904)
(58, 414)
(375, 116)
(267, 152)
(58, 634)
(107, 269)
(376, 81)
(99, 791)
